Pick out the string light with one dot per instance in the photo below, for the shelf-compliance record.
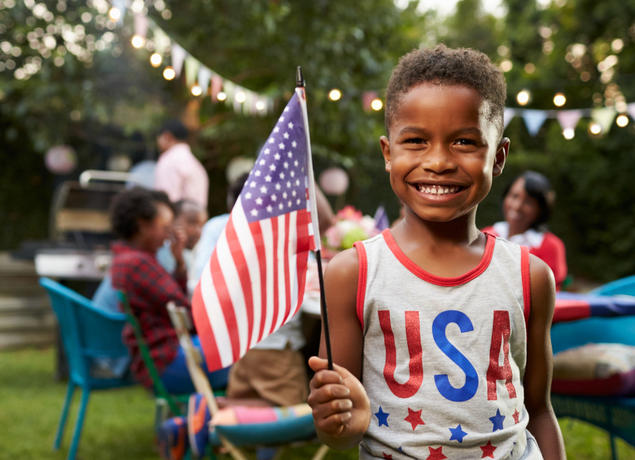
(260, 106)
(114, 14)
(335, 94)
(169, 73)
(523, 97)
(376, 104)
(568, 133)
(155, 60)
(196, 90)
(621, 120)
(559, 100)
(221, 96)
(595, 128)
(137, 41)
(240, 97)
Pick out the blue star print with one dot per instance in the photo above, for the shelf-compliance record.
(382, 417)
(457, 433)
(497, 421)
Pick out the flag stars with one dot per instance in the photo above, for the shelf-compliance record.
(284, 195)
(286, 135)
(253, 184)
(254, 212)
(290, 155)
(280, 206)
(272, 167)
(497, 421)
(258, 201)
(268, 178)
(248, 195)
(290, 125)
(276, 156)
(274, 197)
(292, 173)
(286, 165)
(288, 184)
(281, 175)
(278, 186)
(297, 201)
(276, 129)
(294, 144)
(281, 146)
(263, 189)
(269, 209)
(271, 141)
(257, 173)
(262, 162)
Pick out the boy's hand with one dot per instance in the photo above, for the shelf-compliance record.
(341, 409)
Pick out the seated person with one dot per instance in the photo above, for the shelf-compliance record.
(527, 205)
(143, 220)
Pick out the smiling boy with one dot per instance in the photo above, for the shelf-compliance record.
(440, 332)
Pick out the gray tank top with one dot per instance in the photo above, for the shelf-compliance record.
(444, 358)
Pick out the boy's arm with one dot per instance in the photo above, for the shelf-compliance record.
(542, 420)
(341, 409)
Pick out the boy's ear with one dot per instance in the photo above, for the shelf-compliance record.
(385, 151)
(501, 156)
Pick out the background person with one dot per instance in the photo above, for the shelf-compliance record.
(143, 220)
(178, 172)
(527, 204)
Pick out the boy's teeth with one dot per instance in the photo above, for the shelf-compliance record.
(437, 189)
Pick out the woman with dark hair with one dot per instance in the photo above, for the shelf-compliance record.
(143, 220)
(527, 204)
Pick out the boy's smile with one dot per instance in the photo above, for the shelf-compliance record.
(440, 154)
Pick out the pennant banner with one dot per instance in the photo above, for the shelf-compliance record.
(604, 117)
(569, 118)
(534, 120)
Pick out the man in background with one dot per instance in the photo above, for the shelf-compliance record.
(178, 172)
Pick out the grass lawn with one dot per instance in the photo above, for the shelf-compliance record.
(118, 423)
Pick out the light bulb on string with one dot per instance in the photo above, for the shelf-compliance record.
(523, 97)
(221, 96)
(169, 73)
(137, 41)
(568, 133)
(376, 104)
(155, 60)
(114, 14)
(240, 97)
(559, 99)
(196, 90)
(260, 106)
(595, 129)
(621, 120)
(335, 94)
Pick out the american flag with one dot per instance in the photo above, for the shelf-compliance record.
(254, 280)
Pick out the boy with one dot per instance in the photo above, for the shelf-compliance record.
(440, 332)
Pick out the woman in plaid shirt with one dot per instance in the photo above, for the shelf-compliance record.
(143, 221)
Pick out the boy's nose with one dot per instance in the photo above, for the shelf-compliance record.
(438, 160)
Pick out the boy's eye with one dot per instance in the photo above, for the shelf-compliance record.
(464, 141)
(414, 140)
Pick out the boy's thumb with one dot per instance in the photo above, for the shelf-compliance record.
(318, 364)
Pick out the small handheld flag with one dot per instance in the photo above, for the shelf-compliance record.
(254, 281)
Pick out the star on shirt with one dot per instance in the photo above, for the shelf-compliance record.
(436, 453)
(488, 450)
(457, 433)
(382, 417)
(497, 421)
(414, 418)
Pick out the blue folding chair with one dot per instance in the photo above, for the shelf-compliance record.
(90, 336)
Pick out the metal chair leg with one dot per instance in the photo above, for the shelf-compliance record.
(79, 424)
(70, 389)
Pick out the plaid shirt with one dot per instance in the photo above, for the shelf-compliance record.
(149, 288)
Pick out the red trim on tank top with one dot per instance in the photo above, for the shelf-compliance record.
(439, 280)
(526, 278)
(361, 280)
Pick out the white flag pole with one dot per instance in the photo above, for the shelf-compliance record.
(314, 215)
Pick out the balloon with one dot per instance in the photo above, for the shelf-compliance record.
(60, 159)
(334, 181)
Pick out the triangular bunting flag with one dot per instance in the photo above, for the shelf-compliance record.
(534, 120)
(508, 114)
(140, 25)
(204, 76)
(191, 70)
(178, 56)
(604, 117)
(630, 108)
(569, 118)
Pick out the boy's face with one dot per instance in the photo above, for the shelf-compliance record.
(442, 153)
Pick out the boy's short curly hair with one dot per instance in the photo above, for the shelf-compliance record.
(447, 66)
(130, 205)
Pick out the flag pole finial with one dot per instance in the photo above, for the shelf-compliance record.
(299, 77)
